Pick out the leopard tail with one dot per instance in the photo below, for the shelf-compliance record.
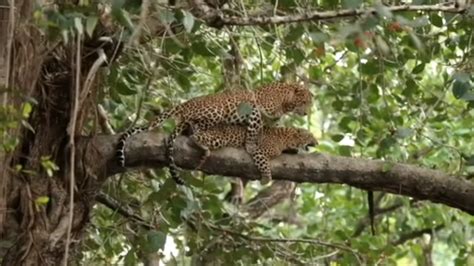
(120, 151)
(173, 168)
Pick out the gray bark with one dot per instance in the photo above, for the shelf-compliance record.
(147, 150)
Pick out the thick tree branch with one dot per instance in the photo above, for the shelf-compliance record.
(148, 150)
(211, 15)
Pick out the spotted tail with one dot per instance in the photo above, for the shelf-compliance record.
(169, 153)
(120, 151)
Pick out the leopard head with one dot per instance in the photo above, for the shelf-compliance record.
(299, 100)
(301, 139)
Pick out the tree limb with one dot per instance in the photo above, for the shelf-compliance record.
(209, 14)
(415, 234)
(123, 209)
(148, 150)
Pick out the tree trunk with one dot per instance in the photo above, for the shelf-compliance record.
(37, 216)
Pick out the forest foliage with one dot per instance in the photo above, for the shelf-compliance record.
(396, 86)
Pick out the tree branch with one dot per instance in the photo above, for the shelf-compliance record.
(122, 209)
(210, 14)
(148, 150)
(415, 234)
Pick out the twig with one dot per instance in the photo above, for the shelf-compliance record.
(143, 18)
(411, 235)
(211, 15)
(289, 240)
(122, 209)
(72, 133)
(91, 75)
(104, 121)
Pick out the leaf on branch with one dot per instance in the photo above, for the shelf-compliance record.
(404, 132)
(188, 21)
(155, 241)
(460, 88)
(91, 22)
(42, 200)
(244, 109)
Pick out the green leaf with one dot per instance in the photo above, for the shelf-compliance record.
(468, 96)
(188, 21)
(296, 54)
(155, 240)
(460, 88)
(370, 68)
(91, 22)
(462, 76)
(344, 150)
(337, 137)
(124, 89)
(294, 34)
(319, 37)
(403, 132)
(201, 48)
(469, 160)
(436, 20)
(244, 109)
(27, 108)
(315, 72)
(418, 69)
(78, 25)
(166, 16)
(410, 87)
(42, 200)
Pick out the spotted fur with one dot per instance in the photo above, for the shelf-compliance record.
(273, 142)
(201, 113)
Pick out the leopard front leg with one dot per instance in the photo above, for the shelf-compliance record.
(262, 162)
(254, 127)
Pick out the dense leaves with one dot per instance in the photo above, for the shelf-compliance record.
(395, 87)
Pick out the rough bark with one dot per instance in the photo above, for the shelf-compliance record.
(45, 72)
(147, 150)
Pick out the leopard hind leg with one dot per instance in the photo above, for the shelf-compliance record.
(262, 162)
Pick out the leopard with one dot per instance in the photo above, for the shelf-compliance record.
(273, 142)
(230, 107)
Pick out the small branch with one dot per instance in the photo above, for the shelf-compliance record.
(415, 234)
(72, 148)
(269, 197)
(212, 15)
(104, 121)
(365, 221)
(288, 240)
(122, 209)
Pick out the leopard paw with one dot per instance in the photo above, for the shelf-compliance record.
(251, 147)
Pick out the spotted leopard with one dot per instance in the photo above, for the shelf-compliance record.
(201, 113)
(273, 142)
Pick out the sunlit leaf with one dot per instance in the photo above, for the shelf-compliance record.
(91, 23)
(188, 21)
(42, 200)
